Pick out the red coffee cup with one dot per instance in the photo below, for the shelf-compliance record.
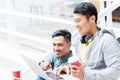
(74, 60)
(16, 73)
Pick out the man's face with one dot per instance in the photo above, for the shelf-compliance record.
(82, 24)
(60, 46)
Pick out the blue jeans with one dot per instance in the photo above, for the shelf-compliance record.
(40, 78)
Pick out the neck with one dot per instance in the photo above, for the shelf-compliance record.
(67, 53)
(94, 30)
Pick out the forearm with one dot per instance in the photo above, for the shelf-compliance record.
(105, 74)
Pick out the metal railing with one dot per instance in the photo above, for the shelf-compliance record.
(111, 5)
(101, 15)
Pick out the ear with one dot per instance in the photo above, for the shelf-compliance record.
(69, 44)
(92, 18)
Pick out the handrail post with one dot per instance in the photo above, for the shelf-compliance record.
(109, 15)
(11, 25)
(102, 20)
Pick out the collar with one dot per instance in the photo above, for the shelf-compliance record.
(65, 58)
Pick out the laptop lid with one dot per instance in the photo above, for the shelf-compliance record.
(39, 71)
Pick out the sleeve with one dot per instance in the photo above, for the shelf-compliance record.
(111, 51)
(49, 57)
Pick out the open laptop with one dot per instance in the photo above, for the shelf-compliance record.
(39, 71)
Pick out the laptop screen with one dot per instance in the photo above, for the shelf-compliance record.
(39, 71)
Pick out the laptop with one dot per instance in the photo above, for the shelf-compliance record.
(39, 71)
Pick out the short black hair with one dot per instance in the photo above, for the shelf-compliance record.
(62, 32)
(87, 9)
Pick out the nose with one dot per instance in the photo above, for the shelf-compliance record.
(76, 25)
(56, 48)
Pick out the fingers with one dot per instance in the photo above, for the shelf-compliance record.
(77, 71)
(58, 70)
(46, 65)
(62, 70)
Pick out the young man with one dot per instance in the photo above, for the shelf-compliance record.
(61, 50)
(97, 48)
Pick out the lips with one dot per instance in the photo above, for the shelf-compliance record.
(58, 52)
(79, 29)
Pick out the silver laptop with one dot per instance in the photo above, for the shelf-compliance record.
(39, 71)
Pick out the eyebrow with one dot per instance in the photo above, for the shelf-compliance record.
(57, 43)
(76, 18)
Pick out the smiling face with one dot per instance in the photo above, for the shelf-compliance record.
(85, 26)
(60, 46)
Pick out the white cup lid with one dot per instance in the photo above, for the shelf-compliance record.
(73, 59)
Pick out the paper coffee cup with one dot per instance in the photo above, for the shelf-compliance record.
(16, 73)
(74, 60)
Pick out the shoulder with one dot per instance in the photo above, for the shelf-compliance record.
(50, 56)
(108, 41)
(107, 36)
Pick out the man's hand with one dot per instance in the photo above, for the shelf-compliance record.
(77, 71)
(45, 65)
(62, 70)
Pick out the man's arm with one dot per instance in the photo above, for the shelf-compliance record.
(111, 51)
(46, 62)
